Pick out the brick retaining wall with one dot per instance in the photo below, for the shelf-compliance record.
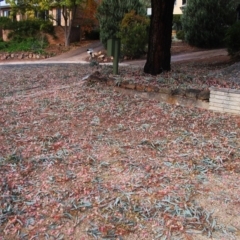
(225, 100)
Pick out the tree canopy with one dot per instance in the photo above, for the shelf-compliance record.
(205, 22)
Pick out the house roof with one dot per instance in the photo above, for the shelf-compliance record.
(3, 3)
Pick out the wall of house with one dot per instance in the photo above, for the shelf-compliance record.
(177, 6)
(60, 38)
(60, 20)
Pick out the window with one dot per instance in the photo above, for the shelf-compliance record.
(184, 2)
(59, 16)
(6, 13)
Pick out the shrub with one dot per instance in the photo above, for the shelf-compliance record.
(4, 20)
(110, 14)
(47, 27)
(133, 34)
(3, 45)
(177, 24)
(35, 45)
(180, 35)
(205, 22)
(233, 40)
(27, 28)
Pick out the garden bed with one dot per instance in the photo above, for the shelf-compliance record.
(190, 88)
(80, 160)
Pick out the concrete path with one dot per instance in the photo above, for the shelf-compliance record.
(79, 55)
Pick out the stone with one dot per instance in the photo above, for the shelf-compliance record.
(101, 56)
(178, 91)
(204, 95)
(128, 86)
(149, 89)
(20, 56)
(192, 93)
(165, 90)
(3, 57)
(140, 87)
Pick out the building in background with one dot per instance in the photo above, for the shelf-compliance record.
(179, 6)
(4, 9)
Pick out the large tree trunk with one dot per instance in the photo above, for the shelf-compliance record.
(160, 37)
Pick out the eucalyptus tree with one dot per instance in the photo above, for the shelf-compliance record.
(160, 37)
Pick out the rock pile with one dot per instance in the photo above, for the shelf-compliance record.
(196, 94)
(22, 56)
(101, 56)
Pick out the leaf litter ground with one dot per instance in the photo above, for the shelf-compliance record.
(80, 161)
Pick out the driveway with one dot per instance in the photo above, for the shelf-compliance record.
(79, 55)
(187, 56)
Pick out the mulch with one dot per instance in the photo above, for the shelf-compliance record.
(79, 160)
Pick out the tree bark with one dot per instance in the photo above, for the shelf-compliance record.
(160, 37)
(68, 16)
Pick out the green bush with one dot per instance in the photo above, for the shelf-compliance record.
(3, 45)
(177, 24)
(27, 28)
(232, 40)
(4, 20)
(133, 34)
(205, 22)
(110, 14)
(180, 35)
(47, 27)
(35, 45)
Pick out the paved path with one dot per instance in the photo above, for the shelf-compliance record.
(79, 55)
